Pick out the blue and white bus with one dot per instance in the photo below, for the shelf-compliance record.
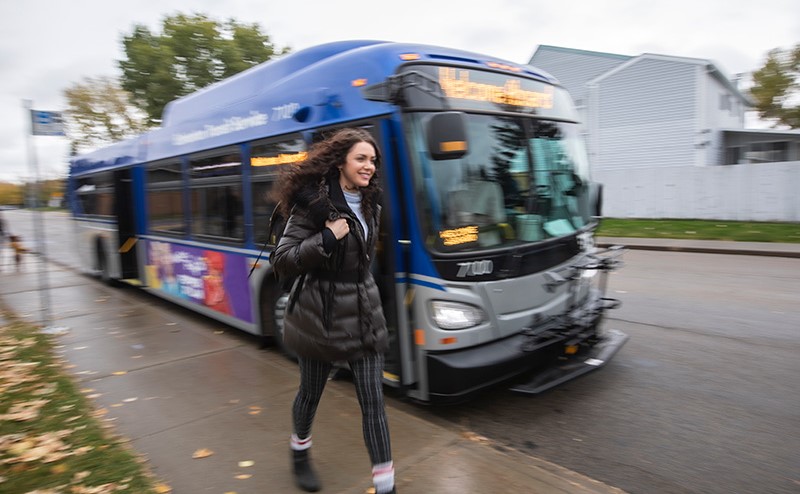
(486, 261)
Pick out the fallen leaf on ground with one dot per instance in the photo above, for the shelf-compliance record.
(474, 437)
(80, 476)
(202, 453)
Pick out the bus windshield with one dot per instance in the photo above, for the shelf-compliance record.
(522, 180)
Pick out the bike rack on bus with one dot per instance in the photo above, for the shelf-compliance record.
(575, 330)
(576, 323)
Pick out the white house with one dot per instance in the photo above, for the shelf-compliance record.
(656, 125)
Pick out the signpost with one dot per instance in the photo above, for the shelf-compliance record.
(43, 123)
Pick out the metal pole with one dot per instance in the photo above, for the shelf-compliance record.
(38, 223)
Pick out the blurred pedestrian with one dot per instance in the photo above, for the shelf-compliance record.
(334, 311)
(17, 248)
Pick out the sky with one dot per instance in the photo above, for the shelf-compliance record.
(48, 45)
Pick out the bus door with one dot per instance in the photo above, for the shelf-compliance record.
(126, 224)
(392, 257)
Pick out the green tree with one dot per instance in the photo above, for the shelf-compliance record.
(190, 53)
(776, 87)
(99, 111)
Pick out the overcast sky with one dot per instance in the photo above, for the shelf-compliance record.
(48, 45)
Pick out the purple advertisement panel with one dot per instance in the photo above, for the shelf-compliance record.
(207, 277)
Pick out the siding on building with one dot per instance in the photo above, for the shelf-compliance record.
(575, 68)
(656, 128)
(644, 114)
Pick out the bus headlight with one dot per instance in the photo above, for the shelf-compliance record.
(455, 315)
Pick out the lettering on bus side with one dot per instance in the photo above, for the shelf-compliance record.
(284, 112)
(475, 268)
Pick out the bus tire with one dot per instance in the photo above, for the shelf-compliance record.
(101, 263)
(272, 309)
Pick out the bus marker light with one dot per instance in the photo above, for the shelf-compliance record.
(410, 56)
(503, 66)
(359, 83)
(419, 337)
(449, 340)
(450, 146)
(571, 349)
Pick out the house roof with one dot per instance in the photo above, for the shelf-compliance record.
(626, 61)
(581, 52)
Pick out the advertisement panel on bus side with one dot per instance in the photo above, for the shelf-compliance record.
(210, 278)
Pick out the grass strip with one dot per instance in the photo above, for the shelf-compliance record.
(736, 231)
(51, 438)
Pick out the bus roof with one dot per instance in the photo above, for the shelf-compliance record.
(261, 101)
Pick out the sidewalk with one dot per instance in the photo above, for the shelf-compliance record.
(705, 246)
(173, 387)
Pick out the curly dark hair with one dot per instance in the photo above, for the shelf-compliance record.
(322, 164)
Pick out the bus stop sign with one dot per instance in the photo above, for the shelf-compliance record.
(46, 123)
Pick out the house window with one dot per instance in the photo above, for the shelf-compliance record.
(767, 152)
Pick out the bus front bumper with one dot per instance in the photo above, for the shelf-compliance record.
(597, 357)
(453, 376)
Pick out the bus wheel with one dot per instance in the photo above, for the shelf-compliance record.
(273, 307)
(102, 263)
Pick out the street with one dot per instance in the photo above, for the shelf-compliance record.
(702, 399)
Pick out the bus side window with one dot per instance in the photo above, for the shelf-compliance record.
(215, 180)
(267, 158)
(164, 197)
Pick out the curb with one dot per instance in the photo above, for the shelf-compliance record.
(713, 247)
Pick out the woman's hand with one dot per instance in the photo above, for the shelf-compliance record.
(339, 227)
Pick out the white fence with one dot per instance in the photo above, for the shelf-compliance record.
(752, 192)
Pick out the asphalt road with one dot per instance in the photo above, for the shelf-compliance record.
(703, 398)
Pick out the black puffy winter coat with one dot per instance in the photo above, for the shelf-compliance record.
(336, 314)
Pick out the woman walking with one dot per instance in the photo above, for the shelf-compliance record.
(334, 312)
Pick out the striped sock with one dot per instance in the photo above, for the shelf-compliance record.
(383, 477)
(300, 444)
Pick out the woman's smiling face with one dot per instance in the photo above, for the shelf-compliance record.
(359, 167)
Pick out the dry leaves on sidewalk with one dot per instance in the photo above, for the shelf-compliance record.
(202, 453)
(50, 433)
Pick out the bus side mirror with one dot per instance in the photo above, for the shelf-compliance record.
(446, 134)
